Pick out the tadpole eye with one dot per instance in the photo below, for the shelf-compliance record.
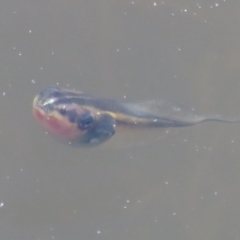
(84, 120)
(63, 111)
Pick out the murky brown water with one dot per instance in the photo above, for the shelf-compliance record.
(183, 185)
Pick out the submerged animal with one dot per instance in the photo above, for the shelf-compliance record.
(86, 120)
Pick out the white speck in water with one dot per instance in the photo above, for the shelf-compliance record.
(125, 207)
(173, 14)
(174, 214)
(139, 201)
(179, 49)
(232, 141)
(185, 10)
(216, 4)
(33, 81)
(20, 54)
(166, 183)
(41, 68)
(215, 193)
(155, 120)
(52, 53)
(21, 169)
(1, 204)
(128, 201)
(132, 2)
(117, 50)
(124, 96)
(14, 48)
(4, 94)
(154, 4)
(30, 31)
(129, 49)
(98, 232)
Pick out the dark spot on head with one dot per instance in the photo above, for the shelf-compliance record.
(107, 125)
(84, 120)
(99, 132)
(62, 111)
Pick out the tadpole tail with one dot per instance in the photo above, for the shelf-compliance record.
(219, 119)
